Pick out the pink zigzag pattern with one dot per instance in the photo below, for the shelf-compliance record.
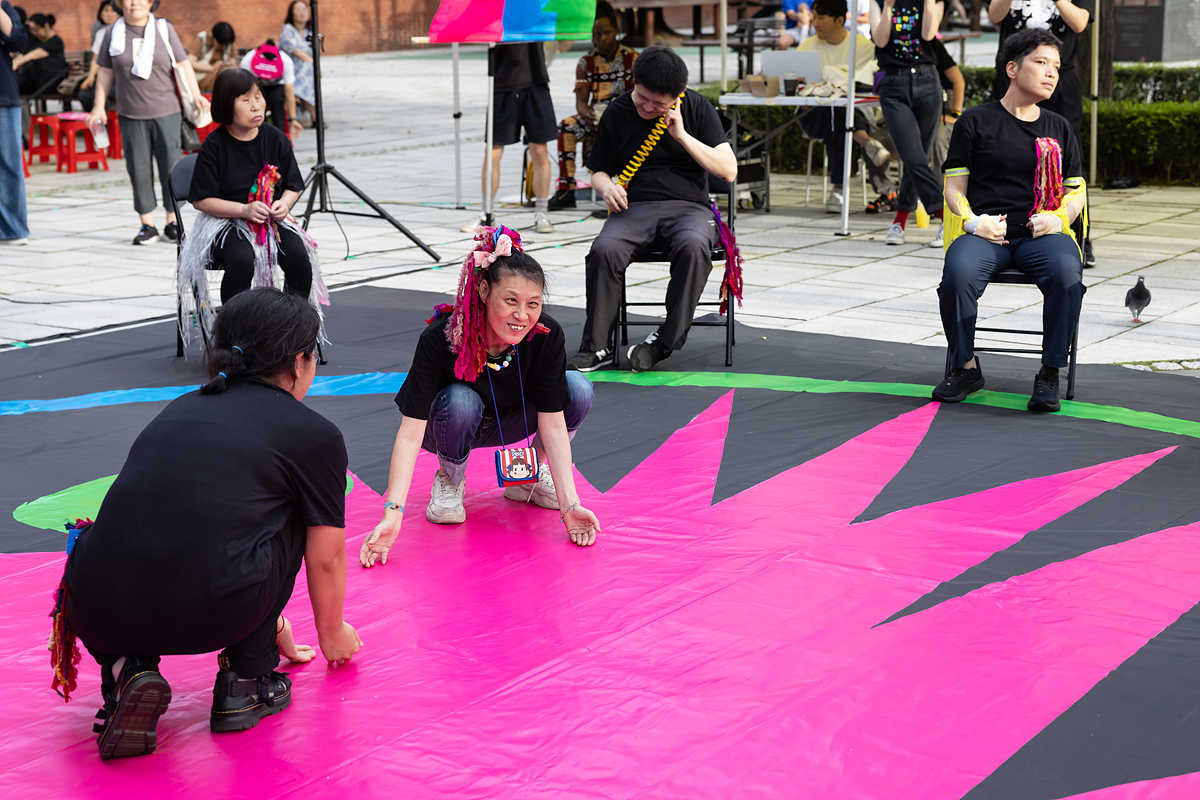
(700, 649)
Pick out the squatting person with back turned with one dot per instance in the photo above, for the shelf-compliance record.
(665, 202)
(198, 542)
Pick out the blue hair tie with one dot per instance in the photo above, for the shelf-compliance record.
(223, 375)
(240, 350)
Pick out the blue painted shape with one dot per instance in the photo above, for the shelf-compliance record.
(525, 21)
(323, 386)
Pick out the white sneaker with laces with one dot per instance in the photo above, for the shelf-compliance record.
(833, 205)
(446, 501)
(541, 493)
(895, 234)
(937, 237)
(541, 222)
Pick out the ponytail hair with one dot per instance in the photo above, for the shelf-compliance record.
(258, 334)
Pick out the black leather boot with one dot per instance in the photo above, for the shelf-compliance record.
(132, 705)
(239, 703)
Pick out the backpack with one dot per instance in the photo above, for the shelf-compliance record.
(267, 63)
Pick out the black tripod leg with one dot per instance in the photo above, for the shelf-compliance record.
(378, 209)
(310, 186)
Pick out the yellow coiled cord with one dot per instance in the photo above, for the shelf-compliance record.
(643, 152)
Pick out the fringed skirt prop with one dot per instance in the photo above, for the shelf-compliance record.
(209, 233)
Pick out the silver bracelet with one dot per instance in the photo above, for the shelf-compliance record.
(562, 515)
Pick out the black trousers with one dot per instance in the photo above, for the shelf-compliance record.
(235, 255)
(244, 622)
(1052, 261)
(685, 230)
(276, 98)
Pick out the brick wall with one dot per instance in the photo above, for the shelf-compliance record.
(349, 26)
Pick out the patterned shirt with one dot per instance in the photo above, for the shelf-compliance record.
(606, 79)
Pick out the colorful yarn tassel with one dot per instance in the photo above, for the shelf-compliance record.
(263, 191)
(731, 282)
(64, 647)
(1047, 177)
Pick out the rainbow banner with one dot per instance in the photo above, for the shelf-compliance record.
(511, 20)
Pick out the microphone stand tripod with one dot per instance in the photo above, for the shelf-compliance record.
(317, 183)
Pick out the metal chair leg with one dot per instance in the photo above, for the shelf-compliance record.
(1072, 362)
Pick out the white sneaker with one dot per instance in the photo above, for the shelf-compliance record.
(833, 205)
(16, 242)
(445, 501)
(471, 226)
(937, 237)
(541, 493)
(895, 234)
(541, 222)
(878, 154)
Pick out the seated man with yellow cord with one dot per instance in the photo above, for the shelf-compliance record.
(654, 150)
(1008, 205)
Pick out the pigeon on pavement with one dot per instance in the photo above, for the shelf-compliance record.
(1137, 298)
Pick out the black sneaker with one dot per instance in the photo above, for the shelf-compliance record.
(129, 720)
(586, 360)
(881, 204)
(959, 383)
(644, 356)
(1045, 391)
(1089, 257)
(239, 703)
(563, 198)
(171, 232)
(146, 235)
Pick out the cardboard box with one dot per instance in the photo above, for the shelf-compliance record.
(759, 85)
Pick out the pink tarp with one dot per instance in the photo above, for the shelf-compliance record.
(698, 650)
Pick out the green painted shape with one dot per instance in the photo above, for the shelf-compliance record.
(1116, 415)
(53, 511)
(573, 18)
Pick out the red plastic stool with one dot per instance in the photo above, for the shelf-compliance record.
(114, 136)
(71, 123)
(47, 126)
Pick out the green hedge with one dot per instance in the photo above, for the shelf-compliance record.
(1155, 143)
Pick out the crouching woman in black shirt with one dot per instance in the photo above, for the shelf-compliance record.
(245, 183)
(480, 372)
(197, 545)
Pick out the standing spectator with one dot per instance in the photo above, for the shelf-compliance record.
(42, 66)
(522, 100)
(1066, 19)
(911, 97)
(603, 75)
(953, 82)
(832, 46)
(135, 62)
(210, 58)
(276, 73)
(14, 228)
(295, 39)
(106, 15)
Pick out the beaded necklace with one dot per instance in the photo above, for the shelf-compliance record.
(508, 357)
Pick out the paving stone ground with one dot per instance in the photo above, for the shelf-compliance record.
(391, 132)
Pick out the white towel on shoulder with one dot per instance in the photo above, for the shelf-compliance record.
(143, 62)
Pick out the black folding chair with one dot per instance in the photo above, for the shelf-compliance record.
(180, 187)
(656, 253)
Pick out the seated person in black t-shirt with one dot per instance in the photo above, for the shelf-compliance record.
(665, 202)
(479, 374)
(198, 542)
(44, 64)
(1010, 173)
(245, 236)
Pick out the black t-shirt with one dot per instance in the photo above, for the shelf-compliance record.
(53, 65)
(997, 151)
(206, 488)
(227, 167)
(944, 61)
(519, 66)
(542, 363)
(1041, 14)
(905, 47)
(668, 173)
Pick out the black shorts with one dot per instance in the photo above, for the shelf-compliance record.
(531, 109)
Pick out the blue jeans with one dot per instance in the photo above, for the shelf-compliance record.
(456, 423)
(911, 100)
(14, 222)
(1052, 261)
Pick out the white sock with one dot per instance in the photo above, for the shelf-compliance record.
(541, 205)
